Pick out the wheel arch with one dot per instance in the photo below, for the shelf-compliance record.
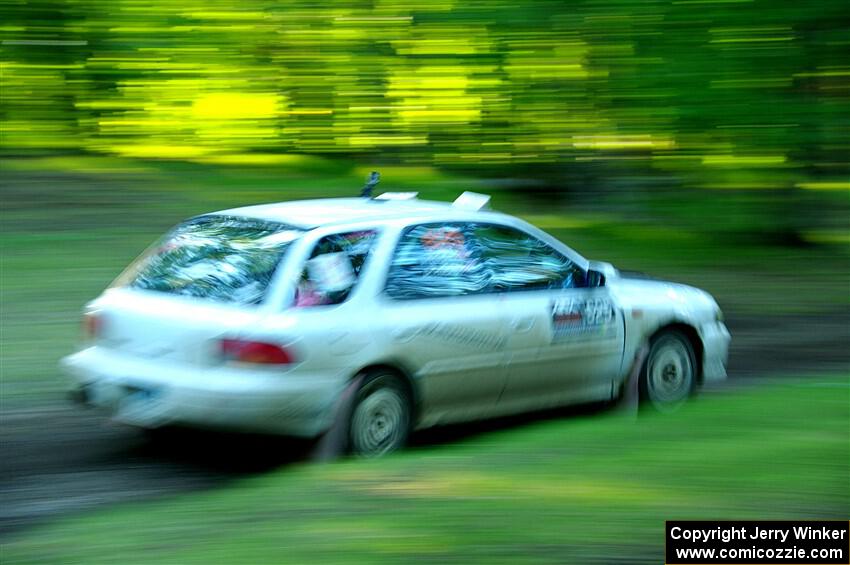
(689, 332)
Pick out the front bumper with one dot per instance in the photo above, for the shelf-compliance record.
(151, 393)
(715, 341)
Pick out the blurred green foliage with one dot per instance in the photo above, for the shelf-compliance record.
(746, 99)
(592, 489)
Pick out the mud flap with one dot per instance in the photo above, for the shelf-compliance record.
(629, 401)
(334, 442)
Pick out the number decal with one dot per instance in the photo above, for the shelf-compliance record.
(593, 317)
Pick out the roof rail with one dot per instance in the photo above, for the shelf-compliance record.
(397, 196)
(472, 201)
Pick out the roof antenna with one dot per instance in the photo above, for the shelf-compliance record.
(371, 182)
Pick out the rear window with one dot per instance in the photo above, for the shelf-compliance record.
(221, 258)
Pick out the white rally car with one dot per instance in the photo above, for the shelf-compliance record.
(380, 316)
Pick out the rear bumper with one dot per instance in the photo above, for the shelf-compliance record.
(715, 341)
(150, 393)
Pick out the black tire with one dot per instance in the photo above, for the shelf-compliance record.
(669, 373)
(380, 416)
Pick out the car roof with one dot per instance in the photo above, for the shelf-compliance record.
(311, 214)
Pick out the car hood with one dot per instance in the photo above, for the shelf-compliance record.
(640, 290)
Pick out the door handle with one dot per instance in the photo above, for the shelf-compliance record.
(522, 325)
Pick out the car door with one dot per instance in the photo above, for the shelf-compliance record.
(441, 323)
(564, 339)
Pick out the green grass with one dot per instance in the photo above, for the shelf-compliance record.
(69, 225)
(586, 489)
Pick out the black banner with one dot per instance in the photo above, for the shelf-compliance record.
(747, 542)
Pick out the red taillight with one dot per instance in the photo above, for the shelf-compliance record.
(254, 352)
(92, 325)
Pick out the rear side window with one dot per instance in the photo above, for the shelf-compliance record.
(333, 269)
(221, 258)
(458, 259)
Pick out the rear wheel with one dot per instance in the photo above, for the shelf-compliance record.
(669, 373)
(380, 420)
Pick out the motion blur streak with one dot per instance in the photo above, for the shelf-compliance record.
(703, 141)
(705, 94)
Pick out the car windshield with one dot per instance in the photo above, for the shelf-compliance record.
(221, 258)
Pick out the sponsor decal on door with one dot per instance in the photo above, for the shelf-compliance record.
(582, 318)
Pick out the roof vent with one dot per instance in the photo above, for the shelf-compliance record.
(397, 196)
(472, 201)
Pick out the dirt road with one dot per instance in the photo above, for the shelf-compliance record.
(59, 459)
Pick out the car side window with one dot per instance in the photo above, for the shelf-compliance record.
(334, 266)
(456, 259)
(519, 261)
(434, 260)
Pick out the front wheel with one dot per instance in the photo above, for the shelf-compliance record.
(668, 377)
(380, 420)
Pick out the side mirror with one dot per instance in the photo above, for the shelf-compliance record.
(595, 279)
